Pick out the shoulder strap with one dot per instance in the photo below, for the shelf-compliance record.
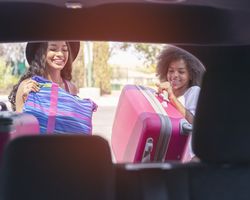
(66, 86)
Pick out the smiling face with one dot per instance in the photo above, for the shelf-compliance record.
(57, 55)
(178, 76)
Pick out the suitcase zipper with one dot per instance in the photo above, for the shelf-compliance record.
(166, 128)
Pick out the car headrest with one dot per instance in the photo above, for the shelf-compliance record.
(57, 167)
(221, 128)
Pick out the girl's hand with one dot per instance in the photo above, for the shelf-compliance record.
(25, 87)
(165, 86)
(29, 86)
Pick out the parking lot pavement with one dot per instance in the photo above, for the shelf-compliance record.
(104, 116)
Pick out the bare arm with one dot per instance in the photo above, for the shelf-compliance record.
(186, 113)
(173, 100)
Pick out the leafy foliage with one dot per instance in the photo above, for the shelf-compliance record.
(147, 52)
(101, 70)
(78, 75)
(7, 79)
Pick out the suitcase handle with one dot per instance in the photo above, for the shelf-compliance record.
(185, 127)
(146, 156)
(164, 97)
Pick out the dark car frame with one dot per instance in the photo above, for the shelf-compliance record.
(217, 32)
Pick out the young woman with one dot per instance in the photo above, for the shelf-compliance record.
(50, 60)
(46, 90)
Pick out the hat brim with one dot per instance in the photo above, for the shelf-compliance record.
(32, 48)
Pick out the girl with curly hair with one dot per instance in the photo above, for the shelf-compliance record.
(180, 75)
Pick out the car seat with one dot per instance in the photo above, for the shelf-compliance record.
(57, 167)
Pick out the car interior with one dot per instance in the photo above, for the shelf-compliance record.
(214, 31)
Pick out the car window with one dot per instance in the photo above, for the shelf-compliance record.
(102, 71)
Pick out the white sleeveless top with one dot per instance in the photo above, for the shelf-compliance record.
(189, 98)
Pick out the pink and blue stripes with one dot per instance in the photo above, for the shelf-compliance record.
(58, 111)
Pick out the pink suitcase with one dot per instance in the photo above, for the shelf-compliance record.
(147, 128)
(14, 125)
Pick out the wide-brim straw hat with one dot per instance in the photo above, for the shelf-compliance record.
(32, 48)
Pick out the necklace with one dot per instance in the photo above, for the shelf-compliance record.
(60, 83)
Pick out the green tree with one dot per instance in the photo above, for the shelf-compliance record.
(12, 65)
(78, 75)
(144, 51)
(7, 79)
(101, 70)
(14, 55)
